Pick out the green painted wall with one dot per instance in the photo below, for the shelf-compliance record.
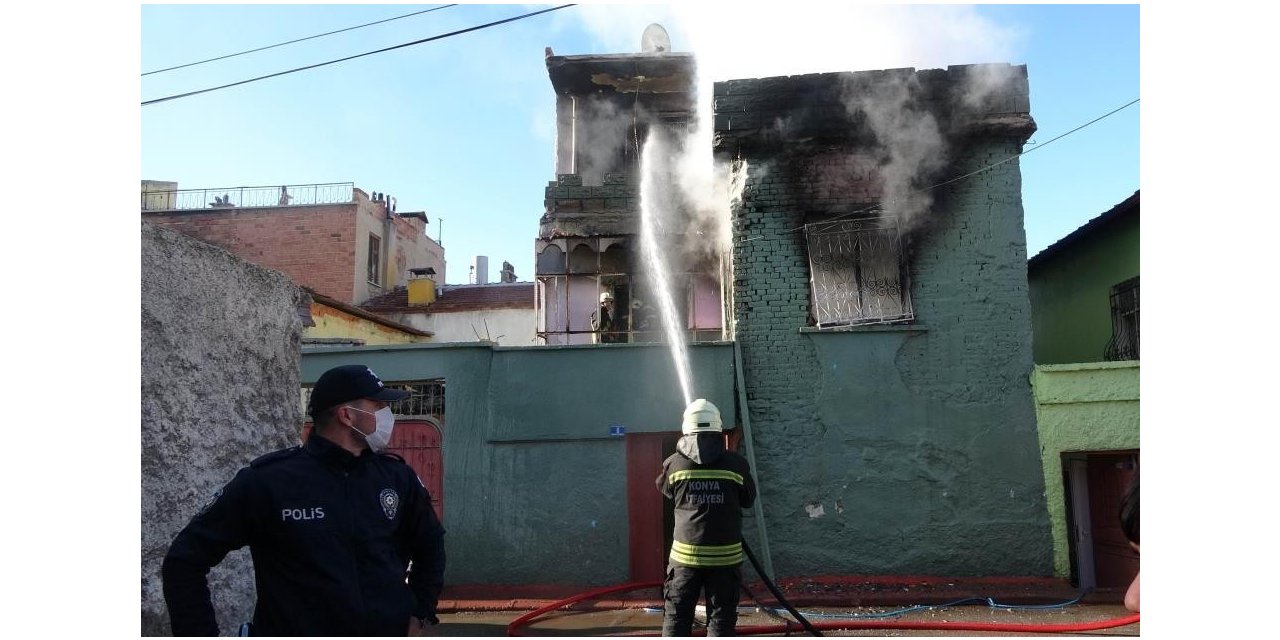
(1081, 408)
(534, 486)
(1071, 292)
(904, 450)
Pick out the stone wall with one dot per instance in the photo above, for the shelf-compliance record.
(220, 358)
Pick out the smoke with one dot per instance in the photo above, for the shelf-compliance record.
(734, 43)
(912, 148)
(600, 140)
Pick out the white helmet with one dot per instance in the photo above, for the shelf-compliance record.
(606, 297)
(701, 417)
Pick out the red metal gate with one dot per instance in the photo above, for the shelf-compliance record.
(418, 441)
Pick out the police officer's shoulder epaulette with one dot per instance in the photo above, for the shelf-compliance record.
(388, 454)
(274, 456)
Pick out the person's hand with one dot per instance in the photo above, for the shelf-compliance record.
(419, 627)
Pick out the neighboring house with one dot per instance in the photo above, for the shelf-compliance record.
(502, 313)
(334, 322)
(330, 238)
(1084, 290)
(1084, 308)
(878, 377)
(588, 238)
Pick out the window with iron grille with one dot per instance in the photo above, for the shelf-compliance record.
(1124, 321)
(426, 399)
(375, 259)
(856, 273)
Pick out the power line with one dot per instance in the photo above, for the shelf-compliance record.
(971, 173)
(359, 55)
(272, 46)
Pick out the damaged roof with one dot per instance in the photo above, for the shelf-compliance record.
(457, 298)
(623, 73)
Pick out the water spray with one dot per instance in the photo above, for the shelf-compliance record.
(657, 202)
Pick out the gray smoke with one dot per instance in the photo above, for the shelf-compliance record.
(911, 148)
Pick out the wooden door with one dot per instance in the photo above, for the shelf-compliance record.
(1115, 562)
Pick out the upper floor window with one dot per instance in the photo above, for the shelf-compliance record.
(1124, 321)
(857, 274)
(375, 260)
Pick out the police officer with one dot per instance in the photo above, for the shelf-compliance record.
(332, 527)
(709, 487)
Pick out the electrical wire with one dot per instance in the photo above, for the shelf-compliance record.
(993, 165)
(281, 44)
(359, 55)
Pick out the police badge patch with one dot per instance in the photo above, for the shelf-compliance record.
(205, 509)
(390, 501)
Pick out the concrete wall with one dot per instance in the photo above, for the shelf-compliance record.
(535, 487)
(1071, 292)
(894, 449)
(507, 327)
(1088, 407)
(220, 340)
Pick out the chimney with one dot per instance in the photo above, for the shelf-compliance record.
(422, 286)
(480, 266)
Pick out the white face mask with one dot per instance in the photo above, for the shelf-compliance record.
(384, 422)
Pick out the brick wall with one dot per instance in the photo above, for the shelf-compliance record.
(907, 449)
(314, 245)
(571, 209)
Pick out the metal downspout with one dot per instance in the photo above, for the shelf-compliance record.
(745, 413)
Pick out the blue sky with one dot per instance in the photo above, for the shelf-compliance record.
(463, 127)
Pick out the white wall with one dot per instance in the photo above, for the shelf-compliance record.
(507, 327)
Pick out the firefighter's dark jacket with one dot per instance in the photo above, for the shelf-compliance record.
(709, 487)
(331, 536)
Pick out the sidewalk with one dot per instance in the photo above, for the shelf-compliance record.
(837, 591)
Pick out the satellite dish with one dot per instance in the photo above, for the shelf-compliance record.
(655, 39)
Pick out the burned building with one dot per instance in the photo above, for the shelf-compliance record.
(881, 309)
(607, 108)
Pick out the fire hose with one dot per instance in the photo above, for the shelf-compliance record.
(515, 628)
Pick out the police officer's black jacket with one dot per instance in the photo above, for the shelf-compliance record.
(331, 535)
(709, 487)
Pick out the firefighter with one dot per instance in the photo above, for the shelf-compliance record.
(709, 486)
(603, 321)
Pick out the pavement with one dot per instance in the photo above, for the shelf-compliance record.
(487, 610)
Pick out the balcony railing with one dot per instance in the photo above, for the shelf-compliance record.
(240, 197)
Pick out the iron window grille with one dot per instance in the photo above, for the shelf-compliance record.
(1124, 321)
(857, 275)
(426, 399)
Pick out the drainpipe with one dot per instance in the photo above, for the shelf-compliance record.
(747, 440)
(389, 235)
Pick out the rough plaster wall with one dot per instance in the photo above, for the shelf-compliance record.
(893, 451)
(220, 355)
(1082, 407)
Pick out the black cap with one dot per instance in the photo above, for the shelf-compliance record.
(349, 382)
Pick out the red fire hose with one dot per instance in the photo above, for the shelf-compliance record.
(514, 629)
